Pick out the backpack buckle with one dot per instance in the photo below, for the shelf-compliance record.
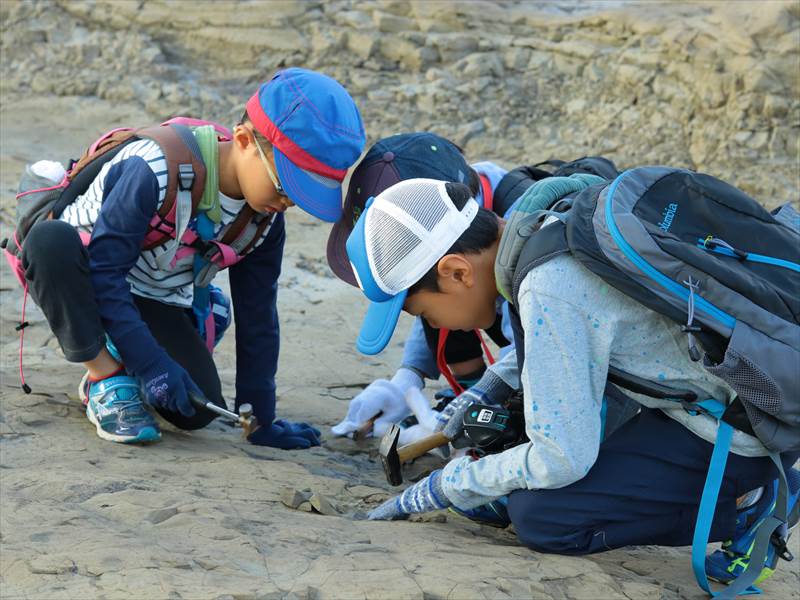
(693, 408)
(185, 177)
(781, 549)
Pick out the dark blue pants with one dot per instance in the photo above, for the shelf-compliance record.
(57, 270)
(645, 488)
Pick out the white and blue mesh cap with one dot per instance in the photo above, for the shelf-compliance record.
(402, 234)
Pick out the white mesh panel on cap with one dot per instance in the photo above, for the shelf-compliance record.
(408, 228)
(390, 241)
(424, 204)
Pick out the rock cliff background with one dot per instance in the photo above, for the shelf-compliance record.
(710, 85)
(713, 86)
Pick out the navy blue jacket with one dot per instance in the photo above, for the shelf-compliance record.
(130, 199)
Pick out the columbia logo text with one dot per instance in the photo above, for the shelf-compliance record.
(667, 216)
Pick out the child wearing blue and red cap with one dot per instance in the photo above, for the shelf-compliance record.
(127, 313)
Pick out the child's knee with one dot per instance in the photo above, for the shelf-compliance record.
(532, 513)
(51, 244)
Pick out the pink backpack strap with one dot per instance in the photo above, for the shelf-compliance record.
(15, 262)
(105, 136)
(225, 255)
(64, 183)
(223, 133)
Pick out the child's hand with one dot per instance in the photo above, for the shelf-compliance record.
(286, 435)
(381, 396)
(424, 496)
(167, 385)
(451, 419)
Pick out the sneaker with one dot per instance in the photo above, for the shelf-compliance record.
(726, 564)
(116, 409)
(493, 514)
(83, 386)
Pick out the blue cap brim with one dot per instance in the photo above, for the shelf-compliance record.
(379, 324)
(308, 193)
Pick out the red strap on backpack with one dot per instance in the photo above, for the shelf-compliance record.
(441, 361)
(486, 186)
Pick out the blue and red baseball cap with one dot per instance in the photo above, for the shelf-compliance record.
(316, 133)
(389, 161)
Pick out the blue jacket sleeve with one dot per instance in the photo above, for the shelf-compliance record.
(416, 353)
(130, 199)
(254, 290)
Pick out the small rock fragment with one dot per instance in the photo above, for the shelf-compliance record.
(160, 515)
(322, 505)
(293, 498)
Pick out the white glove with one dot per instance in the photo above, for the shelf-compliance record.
(383, 396)
(421, 407)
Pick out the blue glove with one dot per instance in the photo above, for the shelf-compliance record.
(167, 385)
(424, 496)
(285, 435)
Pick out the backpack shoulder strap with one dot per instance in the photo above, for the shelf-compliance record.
(84, 170)
(594, 165)
(543, 245)
(237, 240)
(513, 185)
(240, 236)
(186, 172)
(486, 189)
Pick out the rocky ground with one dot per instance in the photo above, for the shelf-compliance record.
(713, 86)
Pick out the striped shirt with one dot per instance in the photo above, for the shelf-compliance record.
(174, 284)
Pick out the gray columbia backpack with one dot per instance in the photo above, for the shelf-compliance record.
(727, 271)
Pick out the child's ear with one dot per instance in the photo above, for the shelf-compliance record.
(242, 137)
(455, 269)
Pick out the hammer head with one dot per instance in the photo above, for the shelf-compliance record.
(247, 420)
(389, 457)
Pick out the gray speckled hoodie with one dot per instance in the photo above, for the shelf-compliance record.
(576, 325)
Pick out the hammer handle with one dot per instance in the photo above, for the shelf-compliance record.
(222, 412)
(360, 434)
(420, 447)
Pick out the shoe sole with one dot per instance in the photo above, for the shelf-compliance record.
(146, 435)
(82, 389)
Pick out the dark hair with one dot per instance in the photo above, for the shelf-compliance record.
(480, 235)
(263, 141)
(474, 182)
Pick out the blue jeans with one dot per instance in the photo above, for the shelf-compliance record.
(645, 488)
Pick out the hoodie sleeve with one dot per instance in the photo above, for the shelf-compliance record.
(567, 353)
(130, 198)
(417, 354)
(254, 290)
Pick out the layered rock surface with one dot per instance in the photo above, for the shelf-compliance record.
(203, 515)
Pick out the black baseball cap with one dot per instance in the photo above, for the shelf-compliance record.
(390, 160)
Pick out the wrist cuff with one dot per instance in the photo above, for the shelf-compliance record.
(406, 378)
(436, 490)
(493, 387)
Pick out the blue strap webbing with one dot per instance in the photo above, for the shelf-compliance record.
(708, 502)
(742, 585)
(201, 295)
(758, 555)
